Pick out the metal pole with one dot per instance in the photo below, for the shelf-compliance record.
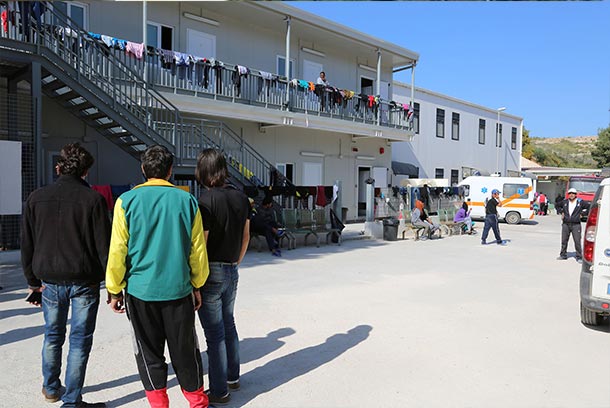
(144, 26)
(497, 147)
(37, 102)
(287, 62)
(413, 91)
(378, 83)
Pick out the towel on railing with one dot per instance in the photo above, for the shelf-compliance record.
(266, 75)
(106, 39)
(135, 49)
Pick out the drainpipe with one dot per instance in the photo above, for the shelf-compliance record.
(378, 93)
(144, 18)
(287, 62)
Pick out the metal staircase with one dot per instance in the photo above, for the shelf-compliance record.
(79, 73)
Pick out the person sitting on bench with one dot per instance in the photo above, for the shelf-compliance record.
(463, 215)
(263, 223)
(419, 218)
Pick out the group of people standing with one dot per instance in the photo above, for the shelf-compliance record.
(167, 257)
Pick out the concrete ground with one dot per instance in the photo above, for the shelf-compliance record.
(441, 323)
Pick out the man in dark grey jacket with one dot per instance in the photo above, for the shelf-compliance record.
(64, 249)
(570, 214)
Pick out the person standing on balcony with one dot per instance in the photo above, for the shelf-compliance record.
(226, 225)
(64, 249)
(158, 258)
(322, 79)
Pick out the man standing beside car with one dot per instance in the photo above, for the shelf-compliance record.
(570, 214)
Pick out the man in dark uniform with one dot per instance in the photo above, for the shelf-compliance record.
(570, 214)
(491, 218)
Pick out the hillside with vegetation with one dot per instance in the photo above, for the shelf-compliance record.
(564, 151)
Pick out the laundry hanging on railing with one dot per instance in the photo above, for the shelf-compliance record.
(137, 49)
(239, 72)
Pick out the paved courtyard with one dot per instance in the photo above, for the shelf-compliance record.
(441, 323)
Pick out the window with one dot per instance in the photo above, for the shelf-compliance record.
(281, 66)
(455, 126)
(440, 123)
(466, 188)
(513, 138)
(498, 135)
(76, 11)
(159, 36)
(416, 117)
(439, 173)
(481, 131)
(516, 190)
(287, 169)
(455, 176)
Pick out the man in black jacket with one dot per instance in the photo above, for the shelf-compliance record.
(64, 249)
(570, 214)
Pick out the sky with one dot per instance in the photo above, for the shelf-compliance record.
(547, 62)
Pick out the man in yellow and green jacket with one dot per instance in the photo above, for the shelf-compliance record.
(158, 258)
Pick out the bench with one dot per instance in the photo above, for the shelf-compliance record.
(297, 222)
(322, 225)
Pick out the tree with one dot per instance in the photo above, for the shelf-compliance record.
(545, 158)
(527, 149)
(601, 152)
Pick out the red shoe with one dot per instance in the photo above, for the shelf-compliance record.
(158, 398)
(196, 399)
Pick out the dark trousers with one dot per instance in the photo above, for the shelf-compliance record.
(261, 227)
(491, 221)
(154, 324)
(566, 230)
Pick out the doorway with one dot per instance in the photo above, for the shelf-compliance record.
(366, 86)
(364, 172)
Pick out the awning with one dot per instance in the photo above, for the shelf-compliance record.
(405, 168)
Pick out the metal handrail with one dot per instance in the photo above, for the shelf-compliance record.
(92, 61)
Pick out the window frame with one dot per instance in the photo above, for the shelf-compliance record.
(455, 126)
(440, 122)
(70, 4)
(442, 173)
(283, 65)
(513, 138)
(498, 135)
(416, 108)
(482, 127)
(284, 166)
(456, 178)
(159, 33)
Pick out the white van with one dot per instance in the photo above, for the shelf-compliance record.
(516, 194)
(595, 272)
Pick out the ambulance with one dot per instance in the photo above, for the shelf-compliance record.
(516, 195)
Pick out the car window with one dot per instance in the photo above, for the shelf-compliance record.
(516, 190)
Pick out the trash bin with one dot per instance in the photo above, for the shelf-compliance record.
(390, 229)
(343, 214)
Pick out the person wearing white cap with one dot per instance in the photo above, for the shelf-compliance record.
(570, 214)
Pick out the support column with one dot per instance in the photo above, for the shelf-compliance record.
(36, 82)
(378, 93)
(287, 63)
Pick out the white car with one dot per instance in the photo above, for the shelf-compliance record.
(595, 273)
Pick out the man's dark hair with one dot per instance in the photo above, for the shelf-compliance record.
(74, 160)
(211, 168)
(322, 72)
(267, 200)
(156, 162)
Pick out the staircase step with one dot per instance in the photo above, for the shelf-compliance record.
(79, 106)
(94, 117)
(54, 85)
(119, 134)
(68, 95)
(108, 125)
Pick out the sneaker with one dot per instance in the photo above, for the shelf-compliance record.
(562, 257)
(84, 404)
(483, 243)
(214, 400)
(579, 260)
(48, 397)
(501, 242)
(233, 385)
(280, 233)
(277, 253)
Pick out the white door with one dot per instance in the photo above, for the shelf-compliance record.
(200, 44)
(311, 70)
(312, 174)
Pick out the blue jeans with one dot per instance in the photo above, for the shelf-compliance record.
(216, 316)
(56, 301)
(491, 222)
